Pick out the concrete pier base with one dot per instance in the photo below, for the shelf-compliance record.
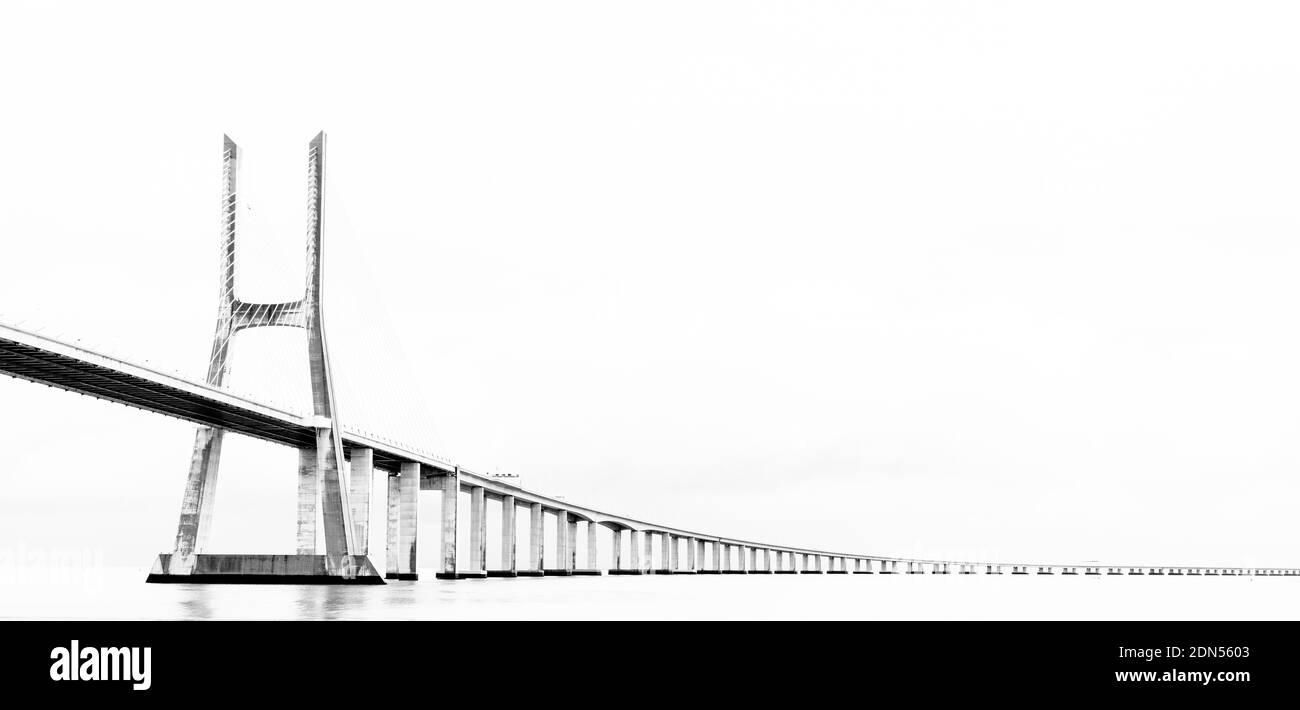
(810, 571)
(529, 573)
(480, 574)
(785, 571)
(557, 573)
(684, 571)
(733, 571)
(502, 573)
(587, 573)
(266, 569)
(627, 571)
(844, 571)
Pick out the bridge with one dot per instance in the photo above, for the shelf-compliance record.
(337, 467)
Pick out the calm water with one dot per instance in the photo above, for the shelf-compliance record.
(120, 593)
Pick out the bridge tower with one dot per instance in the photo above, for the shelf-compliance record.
(320, 463)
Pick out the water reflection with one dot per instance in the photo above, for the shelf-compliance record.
(124, 595)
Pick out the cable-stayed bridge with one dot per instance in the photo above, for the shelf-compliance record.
(337, 465)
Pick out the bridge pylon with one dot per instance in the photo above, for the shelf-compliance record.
(320, 462)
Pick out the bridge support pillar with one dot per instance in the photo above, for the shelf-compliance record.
(394, 505)
(361, 477)
(593, 549)
(572, 542)
(450, 506)
(616, 550)
(408, 522)
(509, 563)
(563, 545)
(690, 554)
(648, 564)
(477, 534)
(536, 540)
(308, 494)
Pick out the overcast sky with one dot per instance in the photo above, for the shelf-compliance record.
(1009, 280)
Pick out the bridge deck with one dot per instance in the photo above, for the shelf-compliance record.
(55, 363)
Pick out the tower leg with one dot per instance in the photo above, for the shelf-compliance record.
(199, 500)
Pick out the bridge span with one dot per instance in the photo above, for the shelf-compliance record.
(27, 355)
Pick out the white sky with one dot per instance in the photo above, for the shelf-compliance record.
(951, 279)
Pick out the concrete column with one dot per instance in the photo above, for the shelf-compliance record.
(593, 560)
(717, 556)
(767, 559)
(394, 521)
(632, 539)
(753, 559)
(649, 550)
(699, 554)
(667, 553)
(360, 480)
(572, 542)
(508, 511)
(200, 496)
(308, 497)
(741, 553)
(477, 531)
(409, 523)
(536, 537)
(562, 542)
(450, 503)
(618, 550)
(726, 557)
(674, 544)
(690, 554)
